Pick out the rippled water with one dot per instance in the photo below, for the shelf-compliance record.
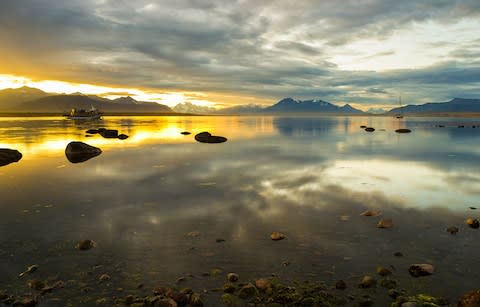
(307, 177)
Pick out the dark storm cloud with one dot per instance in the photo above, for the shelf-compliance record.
(267, 49)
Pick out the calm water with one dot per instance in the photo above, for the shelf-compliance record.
(308, 177)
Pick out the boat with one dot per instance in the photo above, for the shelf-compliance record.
(400, 106)
(83, 114)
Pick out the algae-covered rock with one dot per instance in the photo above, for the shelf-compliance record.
(247, 291)
(470, 299)
(382, 271)
(368, 282)
(232, 277)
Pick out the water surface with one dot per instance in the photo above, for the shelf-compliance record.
(308, 177)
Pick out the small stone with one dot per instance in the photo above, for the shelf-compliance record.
(102, 301)
(370, 213)
(369, 129)
(403, 130)
(179, 297)
(418, 270)
(206, 137)
(398, 254)
(104, 277)
(122, 136)
(36, 284)
(277, 236)
(382, 271)
(92, 131)
(263, 284)
(232, 277)
(385, 223)
(26, 302)
(85, 245)
(185, 133)
(193, 234)
(8, 156)
(368, 282)
(452, 230)
(473, 223)
(340, 285)
(219, 240)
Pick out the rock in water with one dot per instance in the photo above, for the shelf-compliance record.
(418, 270)
(108, 133)
(232, 277)
(383, 271)
(369, 129)
(85, 245)
(206, 137)
(77, 152)
(122, 136)
(185, 132)
(385, 223)
(403, 130)
(92, 131)
(8, 156)
(368, 282)
(473, 223)
(470, 299)
(452, 230)
(277, 236)
(370, 213)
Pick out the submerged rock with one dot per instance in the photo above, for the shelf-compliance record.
(452, 229)
(382, 271)
(85, 245)
(403, 130)
(470, 299)
(232, 277)
(77, 152)
(8, 156)
(370, 213)
(418, 270)
(368, 282)
(473, 223)
(277, 236)
(206, 137)
(385, 223)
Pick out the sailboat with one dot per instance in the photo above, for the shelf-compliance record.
(400, 105)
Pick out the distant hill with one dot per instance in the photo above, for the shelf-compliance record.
(37, 101)
(289, 105)
(456, 105)
(242, 109)
(12, 97)
(63, 103)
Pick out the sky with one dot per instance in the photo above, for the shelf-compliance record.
(224, 53)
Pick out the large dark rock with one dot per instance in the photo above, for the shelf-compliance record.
(206, 137)
(8, 156)
(77, 152)
(108, 133)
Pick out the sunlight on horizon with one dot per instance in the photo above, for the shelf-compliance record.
(61, 87)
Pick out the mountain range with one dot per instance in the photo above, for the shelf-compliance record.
(26, 99)
(456, 105)
(32, 100)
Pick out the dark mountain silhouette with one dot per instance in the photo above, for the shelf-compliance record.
(34, 100)
(12, 97)
(289, 105)
(456, 105)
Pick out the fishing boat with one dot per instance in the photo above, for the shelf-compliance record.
(400, 115)
(83, 114)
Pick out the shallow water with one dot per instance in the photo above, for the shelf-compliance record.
(308, 177)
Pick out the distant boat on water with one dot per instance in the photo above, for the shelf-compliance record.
(400, 105)
(83, 114)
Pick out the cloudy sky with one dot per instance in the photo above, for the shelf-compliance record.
(363, 52)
